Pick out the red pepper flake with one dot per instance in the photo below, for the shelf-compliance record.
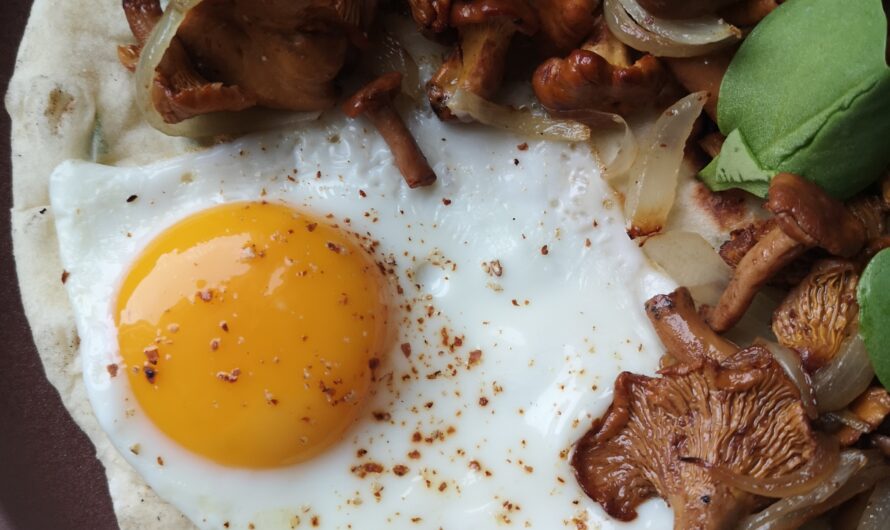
(112, 369)
(483, 401)
(223, 325)
(160, 461)
(523, 146)
(475, 357)
(515, 302)
(474, 465)
(333, 247)
(206, 295)
(315, 520)
(150, 373)
(361, 452)
(229, 377)
(414, 455)
(311, 227)
(65, 275)
(400, 470)
(493, 268)
(588, 243)
(318, 174)
(443, 486)
(382, 416)
(545, 250)
(151, 353)
(446, 202)
(132, 198)
(406, 349)
(362, 193)
(214, 344)
(373, 363)
(270, 399)
(416, 437)
(367, 468)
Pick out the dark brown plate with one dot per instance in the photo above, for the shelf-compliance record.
(49, 476)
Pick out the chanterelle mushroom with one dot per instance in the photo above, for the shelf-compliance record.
(683, 331)
(564, 24)
(742, 415)
(815, 317)
(431, 15)
(806, 217)
(599, 76)
(486, 28)
(234, 54)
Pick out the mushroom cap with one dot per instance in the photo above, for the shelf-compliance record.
(374, 95)
(564, 24)
(598, 76)
(815, 316)
(431, 14)
(812, 217)
(743, 415)
(517, 12)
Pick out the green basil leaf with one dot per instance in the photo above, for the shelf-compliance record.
(809, 92)
(874, 313)
(736, 167)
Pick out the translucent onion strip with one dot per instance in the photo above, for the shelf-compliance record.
(772, 517)
(465, 104)
(848, 375)
(613, 140)
(655, 172)
(634, 26)
(206, 125)
(790, 362)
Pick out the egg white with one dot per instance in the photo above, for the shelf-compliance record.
(547, 367)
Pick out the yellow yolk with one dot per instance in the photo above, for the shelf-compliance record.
(248, 332)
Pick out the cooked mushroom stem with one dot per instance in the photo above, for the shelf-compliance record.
(806, 217)
(683, 332)
(772, 252)
(408, 156)
(477, 67)
(484, 50)
(374, 100)
(486, 28)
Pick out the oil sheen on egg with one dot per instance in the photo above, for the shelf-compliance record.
(300, 340)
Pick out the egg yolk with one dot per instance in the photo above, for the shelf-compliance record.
(248, 332)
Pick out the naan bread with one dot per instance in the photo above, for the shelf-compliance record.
(71, 98)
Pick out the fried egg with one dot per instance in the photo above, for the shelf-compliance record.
(278, 333)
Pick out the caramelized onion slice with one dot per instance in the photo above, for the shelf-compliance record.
(655, 171)
(790, 362)
(691, 262)
(206, 125)
(803, 480)
(847, 376)
(614, 141)
(634, 26)
(465, 104)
